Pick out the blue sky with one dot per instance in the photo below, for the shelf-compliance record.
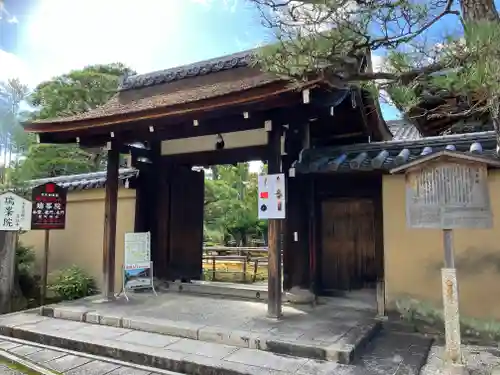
(43, 38)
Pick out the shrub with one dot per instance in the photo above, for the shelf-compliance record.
(72, 283)
(25, 263)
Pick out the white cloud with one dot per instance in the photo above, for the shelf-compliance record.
(64, 35)
(13, 67)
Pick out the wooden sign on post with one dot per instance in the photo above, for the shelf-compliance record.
(15, 215)
(15, 212)
(448, 196)
(449, 190)
(48, 212)
(49, 207)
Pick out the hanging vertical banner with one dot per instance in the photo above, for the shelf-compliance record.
(48, 207)
(15, 212)
(272, 198)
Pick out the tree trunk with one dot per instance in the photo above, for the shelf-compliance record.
(8, 242)
(476, 10)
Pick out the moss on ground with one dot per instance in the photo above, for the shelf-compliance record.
(12, 365)
(427, 318)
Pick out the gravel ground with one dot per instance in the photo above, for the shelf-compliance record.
(478, 360)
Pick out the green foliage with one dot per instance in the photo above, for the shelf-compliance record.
(325, 39)
(75, 92)
(231, 205)
(28, 281)
(427, 318)
(78, 91)
(72, 283)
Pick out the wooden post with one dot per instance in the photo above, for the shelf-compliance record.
(8, 240)
(274, 233)
(45, 267)
(110, 208)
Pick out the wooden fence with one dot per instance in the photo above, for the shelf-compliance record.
(245, 259)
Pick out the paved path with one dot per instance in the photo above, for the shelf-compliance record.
(69, 363)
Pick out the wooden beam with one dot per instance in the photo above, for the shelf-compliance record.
(274, 301)
(179, 126)
(110, 210)
(225, 156)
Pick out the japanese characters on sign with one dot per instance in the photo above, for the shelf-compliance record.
(48, 207)
(272, 198)
(448, 196)
(14, 212)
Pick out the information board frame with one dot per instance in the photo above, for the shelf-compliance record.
(448, 195)
(138, 266)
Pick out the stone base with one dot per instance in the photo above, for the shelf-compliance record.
(342, 351)
(455, 369)
(299, 296)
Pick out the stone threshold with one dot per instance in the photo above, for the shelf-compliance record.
(243, 291)
(344, 352)
(187, 357)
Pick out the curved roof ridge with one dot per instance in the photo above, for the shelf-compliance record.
(199, 68)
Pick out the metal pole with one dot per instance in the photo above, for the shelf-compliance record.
(45, 266)
(449, 257)
(450, 308)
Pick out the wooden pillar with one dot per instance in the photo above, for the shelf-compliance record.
(274, 309)
(110, 208)
(295, 231)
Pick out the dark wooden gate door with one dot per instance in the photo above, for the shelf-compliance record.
(186, 223)
(348, 259)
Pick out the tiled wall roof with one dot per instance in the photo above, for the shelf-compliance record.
(386, 155)
(86, 181)
(403, 130)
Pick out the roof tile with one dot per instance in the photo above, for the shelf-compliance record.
(175, 93)
(86, 181)
(386, 155)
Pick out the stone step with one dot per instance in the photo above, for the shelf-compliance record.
(181, 355)
(342, 351)
(48, 360)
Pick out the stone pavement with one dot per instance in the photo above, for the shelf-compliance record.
(478, 360)
(394, 353)
(326, 331)
(189, 356)
(57, 361)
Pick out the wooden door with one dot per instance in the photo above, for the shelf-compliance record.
(186, 223)
(348, 252)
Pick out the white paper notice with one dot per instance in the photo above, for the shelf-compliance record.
(272, 198)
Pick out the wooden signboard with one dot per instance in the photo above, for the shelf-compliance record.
(448, 195)
(48, 207)
(15, 212)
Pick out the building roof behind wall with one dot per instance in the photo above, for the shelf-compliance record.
(87, 181)
(403, 130)
(384, 156)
